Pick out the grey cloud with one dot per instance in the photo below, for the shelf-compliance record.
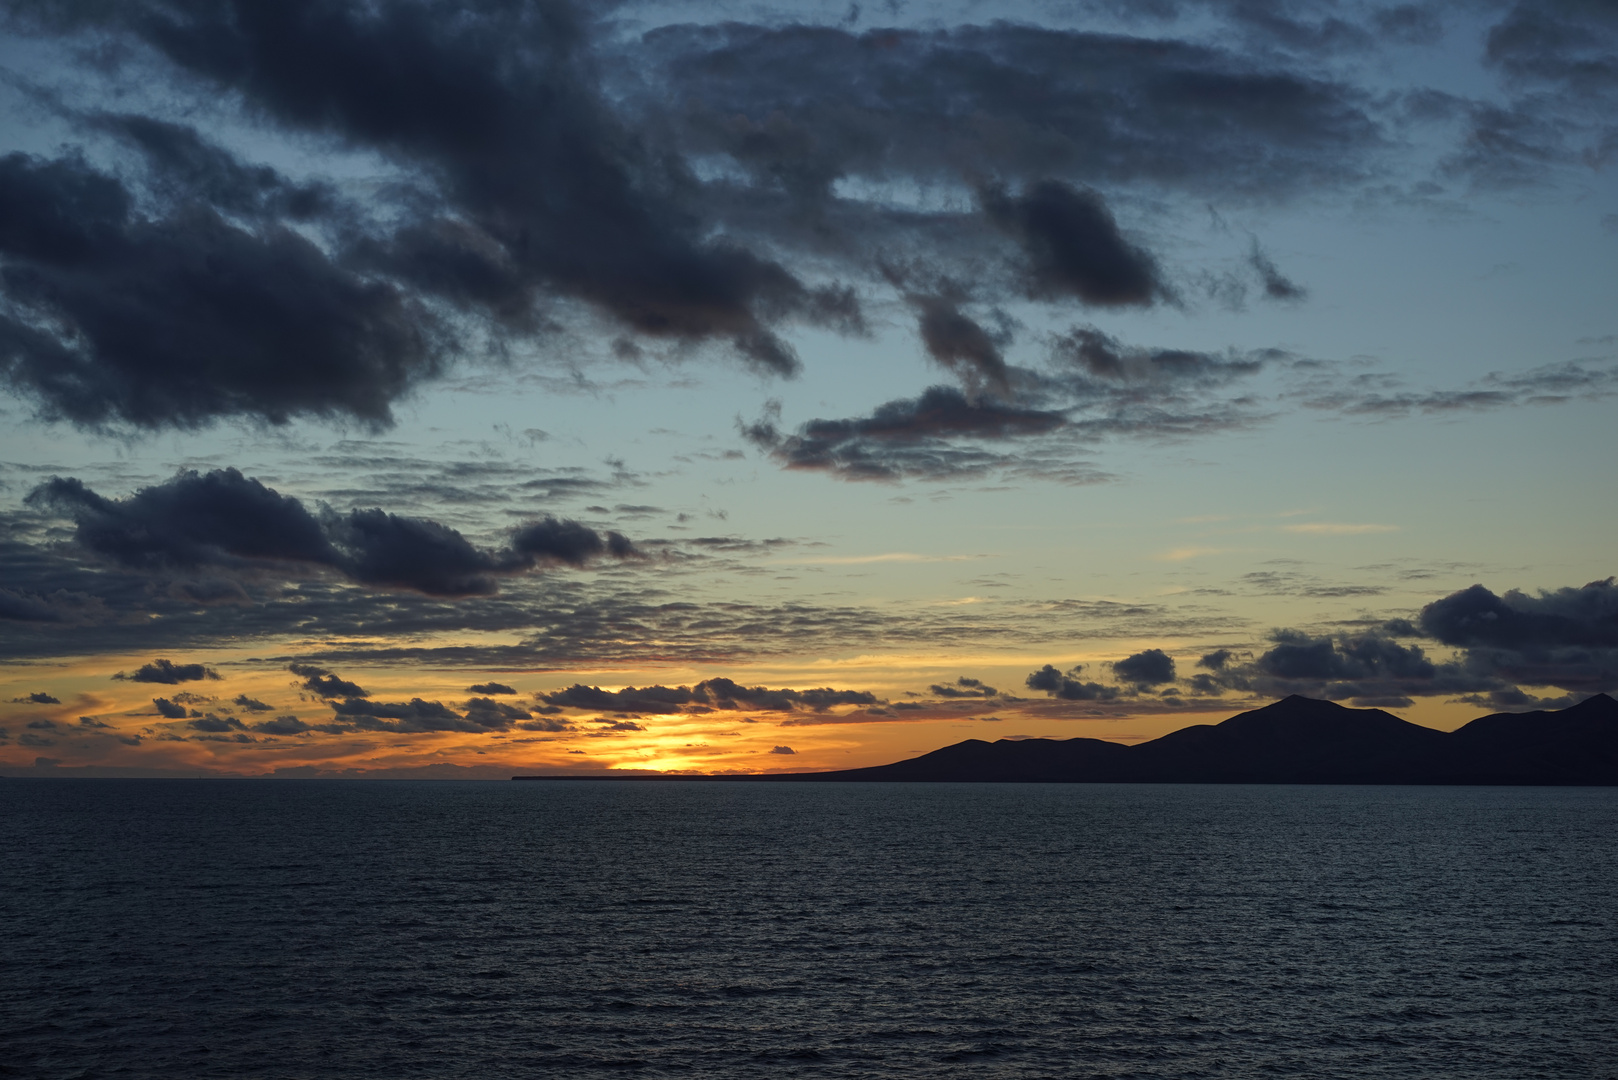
(801, 106)
(490, 688)
(216, 724)
(114, 318)
(38, 697)
(1567, 638)
(904, 438)
(1067, 687)
(1148, 668)
(322, 683)
(169, 673)
(415, 716)
(169, 709)
(524, 189)
(1277, 286)
(716, 693)
(1073, 245)
(225, 519)
(282, 725)
(960, 343)
(782, 750)
(964, 687)
(250, 704)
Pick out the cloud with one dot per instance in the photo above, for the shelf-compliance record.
(1073, 245)
(1331, 528)
(1277, 286)
(1371, 668)
(169, 709)
(417, 716)
(493, 714)
(217, 725)
(782, 750)
(322, 683)
(250, 704)
(904, 438)
(282, 725)
(799, 107)
(960, 343)
(964, 687)
(490, 688)
(169, 673)
(1067, 687)
(119, 318)
(717, 693)
(1567, 638)
(542, 171)
(38, 697)
(227, 520)
(1147, 668)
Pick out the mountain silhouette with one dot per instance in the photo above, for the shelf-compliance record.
(1297, 740)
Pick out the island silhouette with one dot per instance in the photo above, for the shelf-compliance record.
(1296, 740)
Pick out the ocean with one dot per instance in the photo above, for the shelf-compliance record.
(289, 929)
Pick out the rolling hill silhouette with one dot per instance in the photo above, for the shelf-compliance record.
(1297, 740)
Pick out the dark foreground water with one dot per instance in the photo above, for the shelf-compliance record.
(350, 929)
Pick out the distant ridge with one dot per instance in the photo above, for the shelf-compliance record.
(1297, 740)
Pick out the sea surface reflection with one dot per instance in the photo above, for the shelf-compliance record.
(168, 928)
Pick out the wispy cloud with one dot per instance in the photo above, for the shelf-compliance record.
(1337, 528)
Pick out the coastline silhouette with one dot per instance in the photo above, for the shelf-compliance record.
(1296, 740)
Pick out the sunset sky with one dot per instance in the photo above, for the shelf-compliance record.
(447, 389)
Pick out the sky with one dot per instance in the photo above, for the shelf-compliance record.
(436, 389)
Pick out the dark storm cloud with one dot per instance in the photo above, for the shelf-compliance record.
(1073, 245)
(169, 673)
(225, 519)
(1148, 668)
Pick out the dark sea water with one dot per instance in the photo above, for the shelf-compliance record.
(162, 928)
